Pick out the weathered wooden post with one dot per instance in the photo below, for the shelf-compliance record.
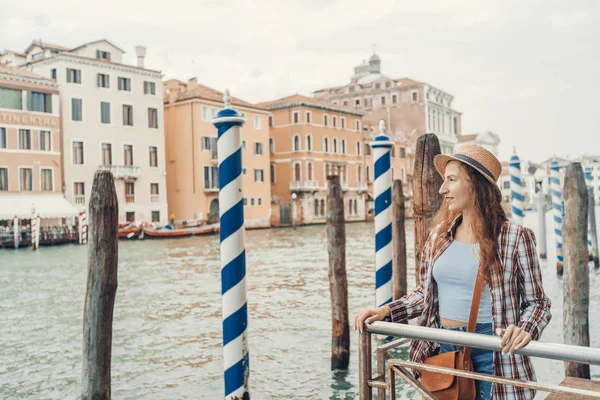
(399, 240)
(576, 289)
(338, 284)
(592, 234)
(16, 233)
(103, 258)
(365, 367)
(426, 198)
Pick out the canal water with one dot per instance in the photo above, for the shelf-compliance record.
(167, 320)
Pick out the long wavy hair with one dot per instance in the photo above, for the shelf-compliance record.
(490, 215)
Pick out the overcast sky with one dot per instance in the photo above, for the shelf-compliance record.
(526, 70)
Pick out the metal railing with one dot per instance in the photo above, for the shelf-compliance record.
(367, 381)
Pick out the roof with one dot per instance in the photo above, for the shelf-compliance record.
(12, 52)
(6, 69)
(98, 41)
(298, 100)
(45, 45)
(368, 79)
(47, 206)
(96, 59)
(206, 93)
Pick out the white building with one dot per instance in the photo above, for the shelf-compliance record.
(112, 118)
(489, 140)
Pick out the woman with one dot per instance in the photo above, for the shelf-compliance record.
(472, 231)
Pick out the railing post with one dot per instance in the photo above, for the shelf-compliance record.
(516, 190)
(383, 216)
(576, 296)
(557, 210)
(365, 371)
(103, 259)
(426, 197)
(233, 252)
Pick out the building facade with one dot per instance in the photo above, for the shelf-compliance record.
(489, 140)
(309, 140)
(112, 118)
(30, 147)
(191, 153)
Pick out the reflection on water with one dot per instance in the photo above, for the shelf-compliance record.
(167, 324)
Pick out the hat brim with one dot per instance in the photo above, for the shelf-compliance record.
(441, 160)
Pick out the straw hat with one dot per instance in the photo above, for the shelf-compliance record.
(474, 156)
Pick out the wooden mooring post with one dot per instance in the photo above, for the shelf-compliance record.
(399, 240)
(338, 283)
(576, 283)
(101, 288)
(426, 199)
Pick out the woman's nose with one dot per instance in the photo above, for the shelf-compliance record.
(443, 189)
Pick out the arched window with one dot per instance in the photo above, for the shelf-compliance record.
(297, 175)
(326, 145)
(316, 207)
(359, 174)
(343, 146)
(296, 143)
(322, 207)
(355, 207)
(308, 143)
(272, 174)
(350, 207)
(358, 148)
(310, 171)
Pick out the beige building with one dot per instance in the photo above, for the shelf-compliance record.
(112, 118)
(488, 140)
(191, 153)
(310, 139)
(30, 148)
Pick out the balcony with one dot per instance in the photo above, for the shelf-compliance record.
(344, 186)
(154, 198)
(308, 186)
(211, 189)
(130, 198)
(80, 200)
(361, 186)
(122, 171)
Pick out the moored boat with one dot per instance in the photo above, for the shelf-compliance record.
(161, 233)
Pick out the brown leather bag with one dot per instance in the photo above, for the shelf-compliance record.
(448, 387)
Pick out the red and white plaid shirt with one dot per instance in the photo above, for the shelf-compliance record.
(518, 298)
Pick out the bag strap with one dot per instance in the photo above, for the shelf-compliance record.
(474, 309)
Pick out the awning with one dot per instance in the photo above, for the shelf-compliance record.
(47, 206)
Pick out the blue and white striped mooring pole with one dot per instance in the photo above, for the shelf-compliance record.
(516, 190)
(233, 252)
(592, 232)
(382, 146)
(557, 210)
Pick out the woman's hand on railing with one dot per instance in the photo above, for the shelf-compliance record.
(370, 315)
(513, 338)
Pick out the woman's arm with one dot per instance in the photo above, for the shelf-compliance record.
(535, 305)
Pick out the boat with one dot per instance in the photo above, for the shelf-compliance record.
(163, 232)
(129, 231)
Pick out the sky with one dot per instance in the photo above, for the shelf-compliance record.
(528, 71)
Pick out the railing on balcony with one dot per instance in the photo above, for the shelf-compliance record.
(361, 186)
(304, 185)
(211, 188)
(80, 200)
(154, 198)
(344, 185)
(130, 198)
(122, 171)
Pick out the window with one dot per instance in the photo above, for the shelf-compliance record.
(3, 144)
(154, 188)
(326, 145)
(106, 154)
(316, 212)
(343, 122)
(346, 103)
(104, 112)
(393, 151)
(272, 174)
(149, 88)
(367, 149)
(296, 143)
(359, 173)
(334, 145)
(259, 201)
(343, 146)
(325, 120)
(310, 171)
(103, 55)
(377, 86)
(11, 98)
(351, 89)
(155, 216)
(402, 152)
(368, 174)
(258, 150)
(127, 115)
(394, 99)
(244, 171)
(383, 100)
(25, 179)
(211, 177)
(103, 80)
(125, 84)
(130, 216)
(270, 120)
(257, 122)
(358, 125)
(45, 141)
(252, 201)
(358, 148)
(209, 143)
(350, 207)
(355, 207)
(129, 192)
(128, 154)
(3, 179)
(24, 139)
(455, 125)
(308, 142)
(388, 84)
(259, 175)
(322, 207)
(308, 115)
(357, 103)
(296, 117)
(297, 172)
(415, 96)
(243, 144)
(76, 110)
(73, 75)
(152, 118)
(53, 73)
(78, 153)
(46, 179)
(271, 146)
(153, 156)
(40, 102)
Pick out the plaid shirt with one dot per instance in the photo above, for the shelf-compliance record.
(517, 299)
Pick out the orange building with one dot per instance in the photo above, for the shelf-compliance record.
(191, 154)
(310, 139)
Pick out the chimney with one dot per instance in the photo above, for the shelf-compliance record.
(192, 83)
(141, 54)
